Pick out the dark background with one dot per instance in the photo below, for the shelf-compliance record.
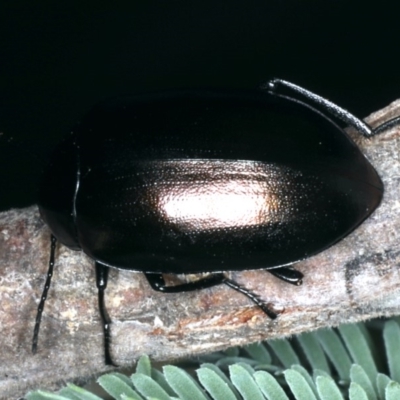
(57, 60)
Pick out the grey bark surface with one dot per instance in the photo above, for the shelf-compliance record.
(355, 280)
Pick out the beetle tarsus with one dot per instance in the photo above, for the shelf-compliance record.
(287, 274)
(268, 311)
(234, 285)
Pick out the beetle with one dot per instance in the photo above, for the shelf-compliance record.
(207, 181)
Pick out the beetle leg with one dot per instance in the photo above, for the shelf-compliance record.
(101, 283)
(157, 282)
(44, 294)
(288, 275)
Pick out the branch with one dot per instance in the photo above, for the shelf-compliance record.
(355, 280)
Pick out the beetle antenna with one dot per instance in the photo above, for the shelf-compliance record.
(44, 294)
(387, 125)
(325, 104)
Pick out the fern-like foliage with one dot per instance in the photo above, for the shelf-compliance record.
(351, 362)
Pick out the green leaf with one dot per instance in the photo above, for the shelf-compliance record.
(258, 352)
(247, 367)
(356, 392)
(124, 397)
(214, 384)
(358, 375)
(358, 348)
(227, 361)
(318, 372)
(159, 377)
(218, 371)
(304, 373)
(76, 392)
(155, 398)
(381, 382)
(183, 384)
(272, 369)
(313, 351)
(391, 336)
(245, 383)
(284, 351)
(144, 366)
(392, 391)
(116, 387)
(149, 387)
(327, 389)
(212, 357)
(269, 386)
(68, 394)
(298, 385)
(336, 352)
(232, 352)
(43, 395)
(123, 377)
(371, 342)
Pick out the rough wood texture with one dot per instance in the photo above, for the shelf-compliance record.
(355, 280)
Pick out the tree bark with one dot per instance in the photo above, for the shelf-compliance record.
(355, 280)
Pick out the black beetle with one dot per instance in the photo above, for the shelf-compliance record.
(207, 181)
